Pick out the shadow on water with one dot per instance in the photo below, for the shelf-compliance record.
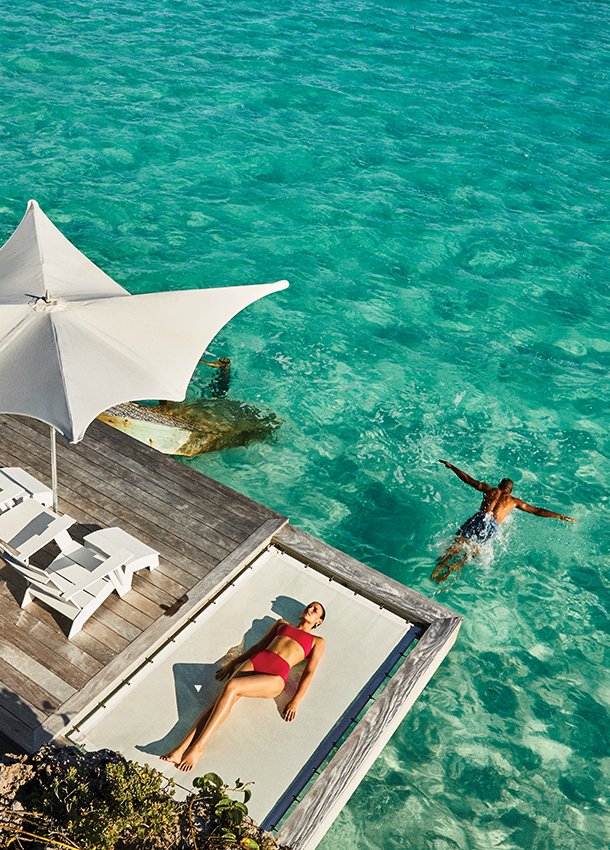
(196, 686)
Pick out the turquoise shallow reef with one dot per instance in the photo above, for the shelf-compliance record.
(434, 180)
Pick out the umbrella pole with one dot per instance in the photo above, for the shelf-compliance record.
(54, 470)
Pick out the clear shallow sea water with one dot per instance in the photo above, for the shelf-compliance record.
(434, 180)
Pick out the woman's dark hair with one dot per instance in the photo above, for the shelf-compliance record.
(323, 611)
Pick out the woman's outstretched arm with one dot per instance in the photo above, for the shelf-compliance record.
(316, 653)
(231, 666)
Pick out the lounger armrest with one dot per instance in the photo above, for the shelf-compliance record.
(115, 562)
(12, 557)
(10, 549)
(55, 528)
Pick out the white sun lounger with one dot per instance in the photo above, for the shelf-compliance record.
(89, 558)
(10, 492)
(28, 527)
(30, 486)
(108, 540)
(76, 591)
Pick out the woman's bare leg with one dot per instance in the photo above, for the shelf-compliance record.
(242, 684)
(175, 755)
(196, 733)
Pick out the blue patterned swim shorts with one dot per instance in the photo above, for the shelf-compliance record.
(480, 528)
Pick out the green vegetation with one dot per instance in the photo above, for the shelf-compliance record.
(229, 813)
(100, 801)
(120, 805)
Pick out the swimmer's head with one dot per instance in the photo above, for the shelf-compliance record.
(506, 484)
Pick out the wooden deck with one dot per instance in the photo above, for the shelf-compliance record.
(206, 535)
(109, 479)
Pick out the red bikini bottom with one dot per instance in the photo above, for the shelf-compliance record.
(271, 663)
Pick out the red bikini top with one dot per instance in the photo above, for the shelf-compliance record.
(304, 638)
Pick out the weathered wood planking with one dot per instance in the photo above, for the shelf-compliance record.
(110, 479)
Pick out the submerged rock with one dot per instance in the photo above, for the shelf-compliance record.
(192, 427)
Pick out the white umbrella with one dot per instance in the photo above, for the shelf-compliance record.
(73, 342)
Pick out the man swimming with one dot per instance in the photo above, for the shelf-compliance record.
(483, 526)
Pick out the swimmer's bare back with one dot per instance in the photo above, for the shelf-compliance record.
(499, 500)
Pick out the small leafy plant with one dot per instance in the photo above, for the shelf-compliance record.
(119, 804)
(229, 812)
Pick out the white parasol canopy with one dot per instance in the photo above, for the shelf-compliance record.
(73, 342)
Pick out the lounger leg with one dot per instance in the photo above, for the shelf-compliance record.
(123, 582)
(77, 623)
(27, 598)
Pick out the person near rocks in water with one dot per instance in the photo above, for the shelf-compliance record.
(497, 503)
(260, 671)
(219, 385)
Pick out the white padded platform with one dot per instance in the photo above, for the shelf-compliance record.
(148, 717)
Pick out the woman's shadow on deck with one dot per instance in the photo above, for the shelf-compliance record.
(196, 686)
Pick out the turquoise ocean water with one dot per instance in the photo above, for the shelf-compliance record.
(434, 180)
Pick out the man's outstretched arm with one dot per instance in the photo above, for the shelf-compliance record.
(467, 479)
(530, 509)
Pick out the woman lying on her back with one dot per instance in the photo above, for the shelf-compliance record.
(260, 671)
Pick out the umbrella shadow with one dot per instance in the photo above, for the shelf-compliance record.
(196, 687)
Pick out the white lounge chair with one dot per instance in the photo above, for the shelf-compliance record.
(32, 487)
(70, 588)
(28, 527)
(10, 492)
(108, 540)
(91, 559)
